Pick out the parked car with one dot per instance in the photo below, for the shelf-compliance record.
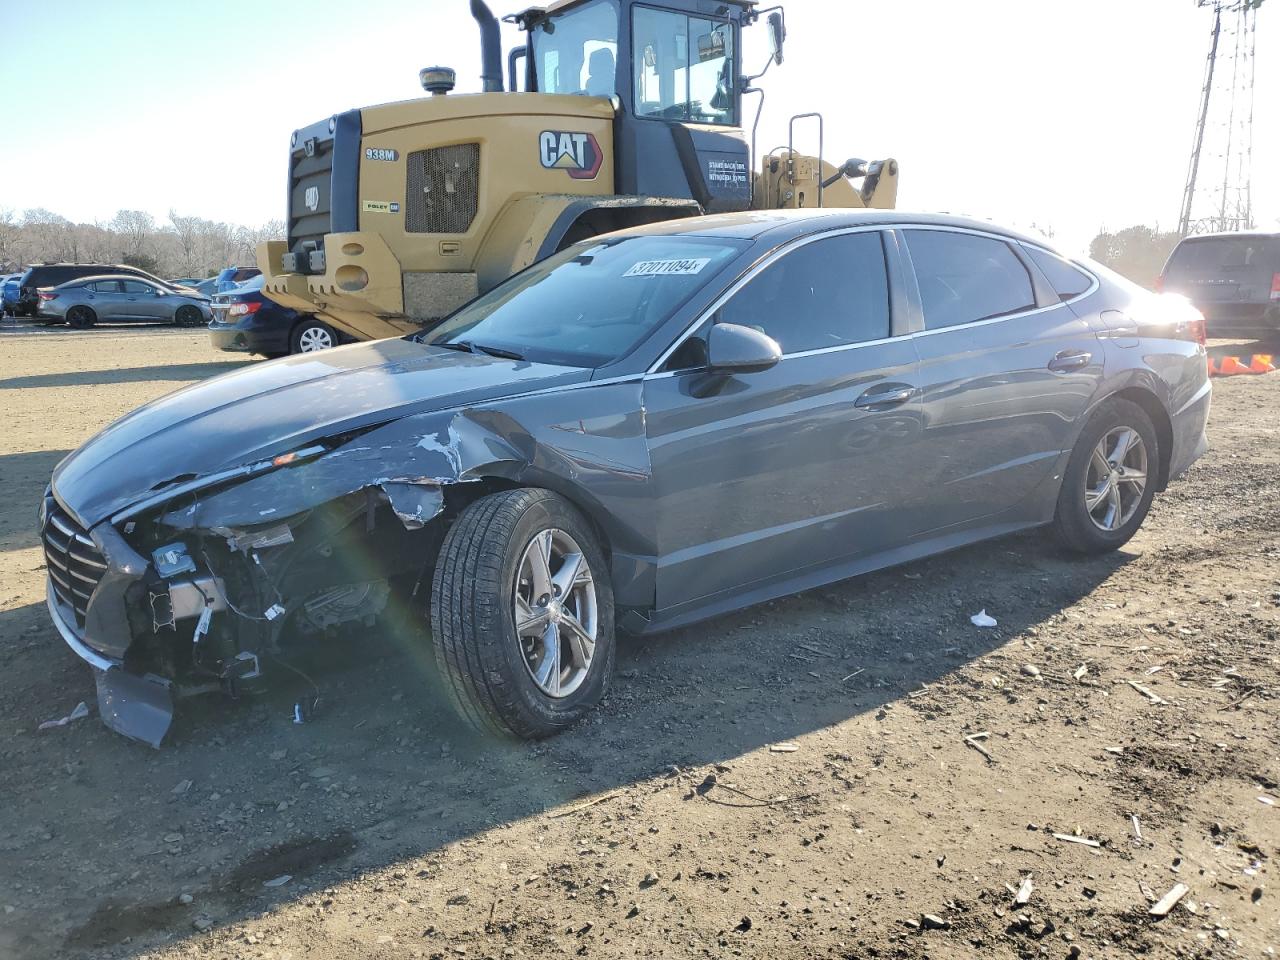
(234, 276)
(647, 429)
(9, 287)
(192, 282)
(116, 299)
(52, 274)
(1232, 278)
(245, 321)
(207, 288)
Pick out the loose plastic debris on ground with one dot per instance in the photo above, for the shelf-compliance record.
(79, 713)
(981, 619)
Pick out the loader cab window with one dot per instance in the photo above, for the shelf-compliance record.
(684, 67)
(577, 51)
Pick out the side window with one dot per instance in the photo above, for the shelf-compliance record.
(1066, 279)
(826, 293)
(105, 286)
(136, 286)
(683, 67)
(964, 278)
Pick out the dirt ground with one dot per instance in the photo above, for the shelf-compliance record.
(855, 772)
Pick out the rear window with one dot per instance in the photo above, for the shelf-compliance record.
(1066, 279)
(1225, 255)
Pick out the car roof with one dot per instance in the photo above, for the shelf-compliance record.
(783, 225)
(1232, 234)
(110, 276)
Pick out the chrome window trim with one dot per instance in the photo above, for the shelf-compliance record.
(1093, 288)
(758, 267)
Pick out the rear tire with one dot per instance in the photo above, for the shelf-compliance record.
(538, 679)
(81, 317)
(188, 316)
(1110, 479)
(312, 335)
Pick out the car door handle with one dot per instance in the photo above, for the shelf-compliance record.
(876, 398)
(1070, 360)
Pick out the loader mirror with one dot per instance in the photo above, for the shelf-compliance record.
(777, 34)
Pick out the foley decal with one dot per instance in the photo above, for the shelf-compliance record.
(381, 206)
(578, 154)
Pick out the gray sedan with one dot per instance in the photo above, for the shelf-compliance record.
(111, 299)
(648, 429)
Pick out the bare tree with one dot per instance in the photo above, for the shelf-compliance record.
(134, 228)
(184, 246)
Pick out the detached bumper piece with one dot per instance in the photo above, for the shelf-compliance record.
(140, 708)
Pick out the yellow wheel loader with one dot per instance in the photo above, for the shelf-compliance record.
(617, 113)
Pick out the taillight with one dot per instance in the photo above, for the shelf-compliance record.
(241, 309)
(46, 296)
(1275, 287)
(1196, 330)
(1160, 284)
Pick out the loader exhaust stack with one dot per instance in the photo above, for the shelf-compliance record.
(490, 47)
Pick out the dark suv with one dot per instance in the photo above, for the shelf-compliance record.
(52, 274)
(1232, 278)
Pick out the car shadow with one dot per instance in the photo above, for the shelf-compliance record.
(87, 378)
(25, 474)
(381, 773)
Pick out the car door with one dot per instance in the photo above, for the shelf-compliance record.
(1006, 371)
(106, 299)
(142, 301)
(760, 476)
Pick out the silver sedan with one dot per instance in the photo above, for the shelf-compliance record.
(119, 299)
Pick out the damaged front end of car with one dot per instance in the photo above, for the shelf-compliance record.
(191, 588)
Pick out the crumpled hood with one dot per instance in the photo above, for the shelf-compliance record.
(271, 408)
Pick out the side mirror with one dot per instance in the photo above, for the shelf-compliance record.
(777, 34)
(733, 348)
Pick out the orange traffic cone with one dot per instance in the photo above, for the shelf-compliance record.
(1261, 363)
(1231, 366)
(1213, 368)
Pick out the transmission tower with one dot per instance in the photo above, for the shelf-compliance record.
(1218, 194)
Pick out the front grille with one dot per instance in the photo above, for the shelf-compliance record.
(442, 189)
(75, 565)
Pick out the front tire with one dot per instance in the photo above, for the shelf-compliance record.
(81, 317)
(522, 615)
(1110, 479)
(312, 335)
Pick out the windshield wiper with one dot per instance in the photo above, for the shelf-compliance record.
(497, 352)
(466, 346)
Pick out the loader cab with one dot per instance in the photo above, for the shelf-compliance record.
(672, 69)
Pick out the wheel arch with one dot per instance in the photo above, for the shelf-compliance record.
(1154, 409)
(592, 216)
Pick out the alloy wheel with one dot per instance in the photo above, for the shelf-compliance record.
(555, 612)
(314, 338)
(1116, 478)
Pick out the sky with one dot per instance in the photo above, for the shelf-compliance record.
(1069, 115)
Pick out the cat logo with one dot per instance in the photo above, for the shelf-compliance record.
(312, 198)
(576, 153)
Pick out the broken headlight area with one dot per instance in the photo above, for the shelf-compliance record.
(216, 605)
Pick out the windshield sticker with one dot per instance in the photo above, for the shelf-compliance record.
(666, 268)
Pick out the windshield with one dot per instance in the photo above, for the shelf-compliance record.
(577, 51)
(589, 305)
